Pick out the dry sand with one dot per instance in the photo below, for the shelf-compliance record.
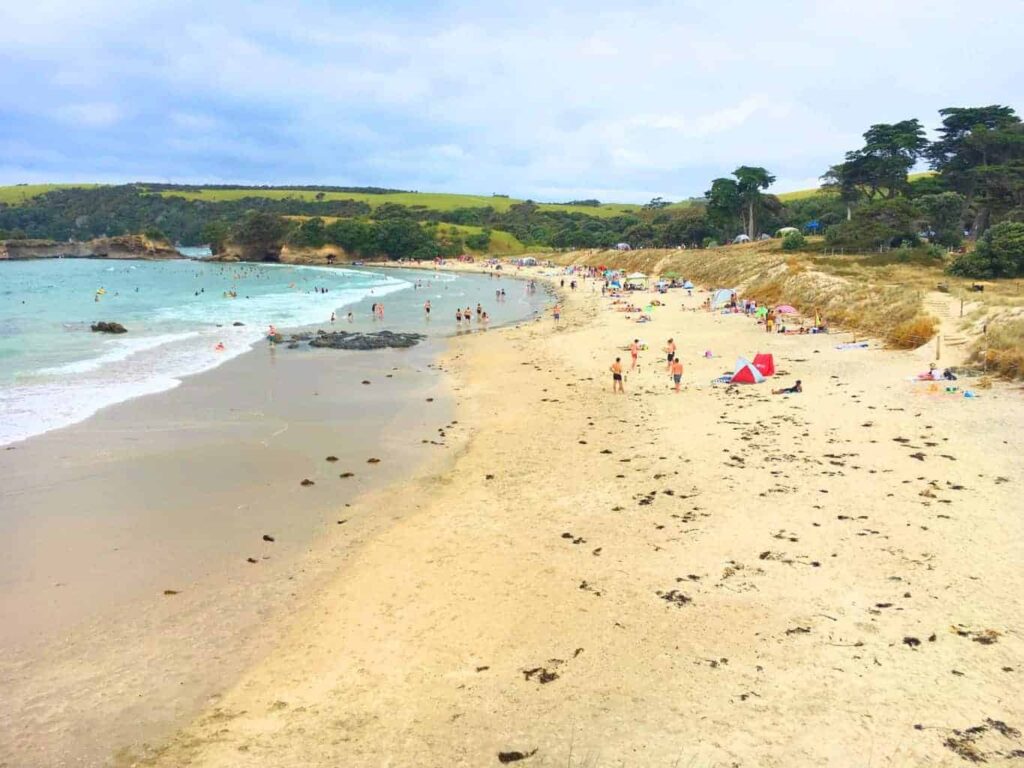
(718, 577)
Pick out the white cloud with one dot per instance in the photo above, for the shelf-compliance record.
(531, 100)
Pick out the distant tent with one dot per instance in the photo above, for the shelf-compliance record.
(688, 285)
(786, 309)
(746, 373)
(622, 247)
(765, 364)
(721, 297)
(764, 236)
(528, 261)
(636, 276)
(761, 311)
(741, 239)
(786, 231)
(812, 226)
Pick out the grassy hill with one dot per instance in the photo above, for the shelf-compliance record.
(19, 193)
(438, 201)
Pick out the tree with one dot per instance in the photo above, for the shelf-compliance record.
(215, 234)
(356, 237)
(749, 183)
(944, 213)
(309, 234)
(724, 205)
(401, 238)
(1000, 253)
(879, 169)
(262, 234)
(980, 153)
(875, 224)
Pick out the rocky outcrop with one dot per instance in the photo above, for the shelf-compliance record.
(288, 254)
(364, 341)
(120, 247)
(107, 327)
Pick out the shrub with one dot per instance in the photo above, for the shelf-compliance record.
(794, 241)
(1000, 253)
(912, 333)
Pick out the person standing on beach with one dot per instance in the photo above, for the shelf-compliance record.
(670, 350)
(677, 372)
(458, 317)
(426, 307)
(634, 352)
(616, 369)
(557, 312)
(769, 321)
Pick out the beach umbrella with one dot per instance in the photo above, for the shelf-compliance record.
(761, 311)
(785, 309)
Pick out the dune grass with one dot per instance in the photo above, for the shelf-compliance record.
(865, 306)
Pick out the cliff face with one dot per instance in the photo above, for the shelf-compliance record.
(329, 254)
(121, 247)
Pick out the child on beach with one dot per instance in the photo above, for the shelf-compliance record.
(616, 369)
(634, 351)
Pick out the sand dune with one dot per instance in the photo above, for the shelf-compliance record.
(719, 577)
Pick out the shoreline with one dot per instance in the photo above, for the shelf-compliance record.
(696, 577)
(165, 493)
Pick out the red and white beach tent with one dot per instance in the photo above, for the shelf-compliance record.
(746, 373)
(765, 364)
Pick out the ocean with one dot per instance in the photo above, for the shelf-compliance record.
(186, 317)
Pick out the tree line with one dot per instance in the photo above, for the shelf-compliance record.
(868, 201)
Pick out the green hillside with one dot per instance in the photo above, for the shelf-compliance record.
(19, 193)
(437, 201)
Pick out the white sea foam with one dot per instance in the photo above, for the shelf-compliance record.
(65, 394)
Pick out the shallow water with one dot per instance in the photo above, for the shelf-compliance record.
(185, 317)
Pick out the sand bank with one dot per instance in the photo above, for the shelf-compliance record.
(719, 577)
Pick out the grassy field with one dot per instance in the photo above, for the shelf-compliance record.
(438, 201)
(18, 194)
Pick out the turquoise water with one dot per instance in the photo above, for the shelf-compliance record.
(181, 317)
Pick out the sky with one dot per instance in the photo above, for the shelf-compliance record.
(544, 100)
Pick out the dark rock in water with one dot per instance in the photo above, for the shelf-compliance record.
(307, 481)
(293, 345)
(363, 341)
(237, 324)
(304, 336)
(331, 458)
(105, 327)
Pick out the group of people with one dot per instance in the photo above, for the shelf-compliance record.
(467, 315)
(674, 366)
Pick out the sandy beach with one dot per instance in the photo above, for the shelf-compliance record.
(137, 579)
(716, 577)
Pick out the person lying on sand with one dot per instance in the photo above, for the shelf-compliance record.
(798, 387)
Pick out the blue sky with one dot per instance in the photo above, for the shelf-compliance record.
(552, 101)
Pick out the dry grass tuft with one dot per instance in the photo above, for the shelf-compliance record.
(1001, 350)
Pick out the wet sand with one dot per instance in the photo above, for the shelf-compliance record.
(102, 521)
(718, 577)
